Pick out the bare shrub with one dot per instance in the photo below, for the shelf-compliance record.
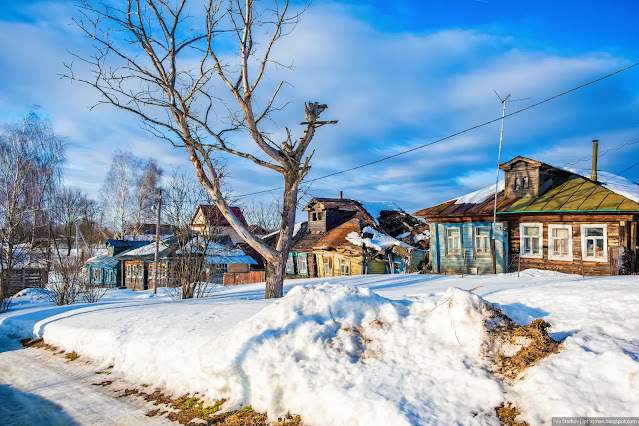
(66, 284)
(91, 292)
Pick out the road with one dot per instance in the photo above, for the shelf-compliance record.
(40, 388)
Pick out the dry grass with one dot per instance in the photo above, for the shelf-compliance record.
(535, 344)
(72, 356)
(187, 409)
(508, 414)
(38, 343)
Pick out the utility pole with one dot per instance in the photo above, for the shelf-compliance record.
(501, 137)
(77, 241)
(157, 243)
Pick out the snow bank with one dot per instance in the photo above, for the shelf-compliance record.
(377, 241)
(341, 356)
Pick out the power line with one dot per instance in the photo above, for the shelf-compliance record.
(612, 148)
(452, 135)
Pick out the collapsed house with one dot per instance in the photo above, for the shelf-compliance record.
(338, 239)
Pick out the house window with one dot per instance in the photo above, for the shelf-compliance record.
(482, 240)
(135, 270)
(328, 266)
(560, 242)
(290, 265)
(319, 215)
(531, 240)
(344, 267)
(525, 183)
(314, 216)
(594, 243)
(302, 264)
(517, 184)
(453, 241)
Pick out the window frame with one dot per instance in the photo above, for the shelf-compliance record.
(525, 184)
(583, 229)
(539, 226)
(302, 260)
(344, 266)
(461, 247)
(482, 253)
(330, 265)
(517, 184)
(551, 245)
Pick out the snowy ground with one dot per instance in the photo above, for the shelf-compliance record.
(388, 349)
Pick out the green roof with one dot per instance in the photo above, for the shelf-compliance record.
(577, 194)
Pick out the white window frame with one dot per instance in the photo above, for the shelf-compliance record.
(541, 240)
(551, 245)
(461, 247)
(481, 253)
(344, 267)
(605, 242)
(302, 265)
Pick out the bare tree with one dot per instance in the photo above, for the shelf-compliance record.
(70, 208)
(66, 283)
(264, 214)
(153, 60)
(31, 156)
(117, 190)
(146, 190)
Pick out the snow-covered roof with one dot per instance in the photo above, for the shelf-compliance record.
(232, 256)
(375, 208)
(481, 194)
(378, 241)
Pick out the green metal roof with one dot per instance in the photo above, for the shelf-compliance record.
(577, 194)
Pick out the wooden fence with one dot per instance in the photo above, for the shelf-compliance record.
(27, 278)
(236, 278)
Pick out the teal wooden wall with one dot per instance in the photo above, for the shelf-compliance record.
(444, 264)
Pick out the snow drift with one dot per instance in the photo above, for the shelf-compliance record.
(344, 355)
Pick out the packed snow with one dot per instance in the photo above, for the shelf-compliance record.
(376, 241)
(386, 349)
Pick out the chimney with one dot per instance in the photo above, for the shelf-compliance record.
(340, 195)
(595, 148)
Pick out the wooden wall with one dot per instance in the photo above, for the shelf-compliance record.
(449, 264)
(615, 238)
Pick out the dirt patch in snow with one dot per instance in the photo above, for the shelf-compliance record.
(192, 410)
(508, 414)
(523, 346)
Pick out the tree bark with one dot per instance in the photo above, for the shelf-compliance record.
(275, 277)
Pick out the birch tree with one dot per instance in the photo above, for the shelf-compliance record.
(195, 73)
(118, 190)
(31, 155)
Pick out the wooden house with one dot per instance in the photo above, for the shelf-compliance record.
(322, 245)
(209, 219)
(573, 221)
(107, 269)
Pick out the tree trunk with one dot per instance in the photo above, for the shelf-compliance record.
(275, 277)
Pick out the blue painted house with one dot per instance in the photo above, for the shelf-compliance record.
(106, 269)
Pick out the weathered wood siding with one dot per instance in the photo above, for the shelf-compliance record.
(468, 259)
(615, 239)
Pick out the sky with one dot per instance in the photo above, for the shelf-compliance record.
(396, 75)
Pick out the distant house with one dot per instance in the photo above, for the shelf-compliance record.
(107, 269)
(324, 244)
(209, 219)
(547, 217)
(218, 258)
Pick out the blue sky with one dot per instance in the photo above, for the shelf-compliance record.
(396, 75)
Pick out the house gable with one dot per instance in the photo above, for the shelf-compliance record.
(525, 177)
